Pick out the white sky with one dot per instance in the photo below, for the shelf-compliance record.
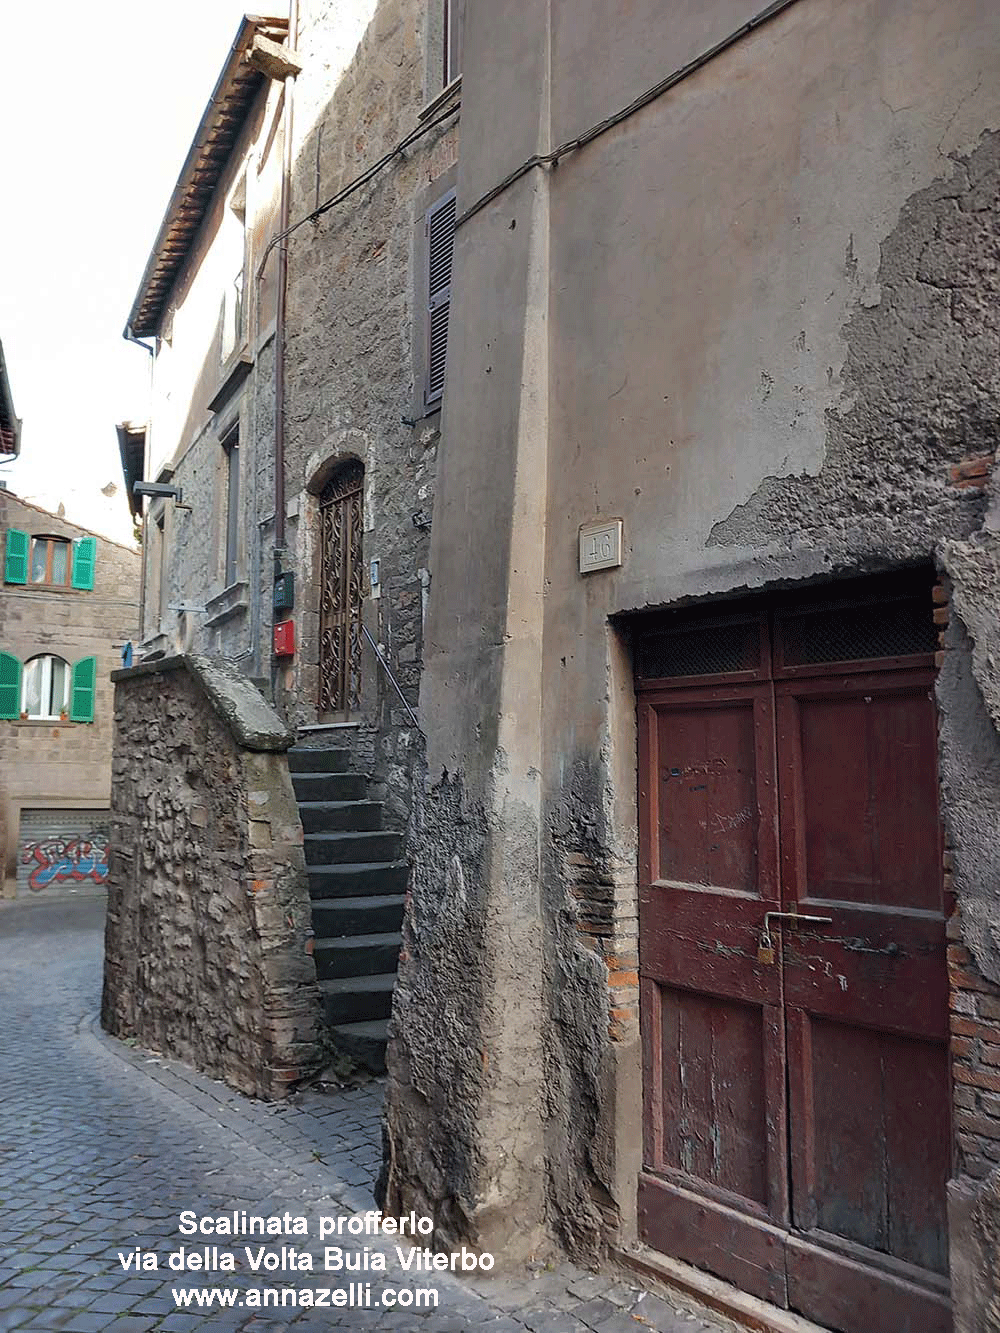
(99, 104)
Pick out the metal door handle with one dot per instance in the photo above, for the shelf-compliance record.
(795, 919)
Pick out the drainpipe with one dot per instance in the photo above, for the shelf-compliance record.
(279, 331)
(130, 337)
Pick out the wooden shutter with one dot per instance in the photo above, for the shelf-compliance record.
(82, 690)
(10, 687)
(84, 559)
(15, 568)
(440, 231)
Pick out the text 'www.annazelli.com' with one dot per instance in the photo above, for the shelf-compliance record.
(355, 1296)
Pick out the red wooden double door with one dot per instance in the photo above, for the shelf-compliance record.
(796, 1078)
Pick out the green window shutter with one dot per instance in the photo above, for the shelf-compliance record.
(84, 559)
(10, 687)
(15, 569)
(82, 690)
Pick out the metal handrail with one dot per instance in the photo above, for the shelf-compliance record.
(388, 671)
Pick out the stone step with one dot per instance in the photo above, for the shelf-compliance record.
(330, 786)
(374, 914)
(365, 1043)
(334, 760)
(352, 880)
(325, 816)
(357, 999)
(357, 955)
(359, 847)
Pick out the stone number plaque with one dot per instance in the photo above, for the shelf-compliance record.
(600, 545)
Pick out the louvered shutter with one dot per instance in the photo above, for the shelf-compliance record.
(84, 559)
(15, 569)
(440, 228)
(82, 690)
(10, 687)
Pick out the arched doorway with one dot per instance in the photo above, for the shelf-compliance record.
(341, 591)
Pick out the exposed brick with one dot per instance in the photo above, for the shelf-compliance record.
(972, 471)
(977, 1123)
(980, 1078)
(966, 980)
(969, 1027)
(967, 1099)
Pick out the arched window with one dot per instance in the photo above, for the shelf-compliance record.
(45, 685)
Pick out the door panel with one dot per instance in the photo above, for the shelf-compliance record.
(711, 1013)
(714, 1092)
(848, 1295)
(870, 1166)
(864, 755)
(708, 827)
(866, 996)
(797, 1093)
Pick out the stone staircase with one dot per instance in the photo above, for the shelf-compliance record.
(357, 881)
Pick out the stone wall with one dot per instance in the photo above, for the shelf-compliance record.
(353, 347)
(208, 953)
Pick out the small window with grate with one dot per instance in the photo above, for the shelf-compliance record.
(901, 628)
(699, 650)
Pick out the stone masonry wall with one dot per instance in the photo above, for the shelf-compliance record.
(208, 952)
(354, 347)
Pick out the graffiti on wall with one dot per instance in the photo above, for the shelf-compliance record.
(66, 860)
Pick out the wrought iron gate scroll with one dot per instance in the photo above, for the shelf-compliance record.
(341, 591)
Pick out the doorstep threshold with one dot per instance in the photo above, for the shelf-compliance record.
(722, 1297)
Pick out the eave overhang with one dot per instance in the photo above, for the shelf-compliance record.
(132, 447)
(210, 151)
(10, 422)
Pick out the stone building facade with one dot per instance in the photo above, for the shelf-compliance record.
(357, 354)
(722, 355)
(354, 332)
(289, 458)
(207, 303)
(69, 601)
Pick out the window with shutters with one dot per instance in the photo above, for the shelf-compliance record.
(45, 683)
(50, 561)
(439, 229)
(53, 562)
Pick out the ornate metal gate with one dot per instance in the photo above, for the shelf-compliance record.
(340, 591)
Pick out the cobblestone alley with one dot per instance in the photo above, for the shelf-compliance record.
(102, 1147)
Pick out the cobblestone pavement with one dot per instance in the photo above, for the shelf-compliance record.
(102, 1147)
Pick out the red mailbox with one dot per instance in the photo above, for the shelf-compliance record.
(284, 639)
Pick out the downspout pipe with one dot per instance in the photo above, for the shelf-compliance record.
(130, 337)
(281, 303)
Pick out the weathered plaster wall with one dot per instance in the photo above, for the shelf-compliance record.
(208, 951)
(767, 342)
(354, 372)
(62, 765)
